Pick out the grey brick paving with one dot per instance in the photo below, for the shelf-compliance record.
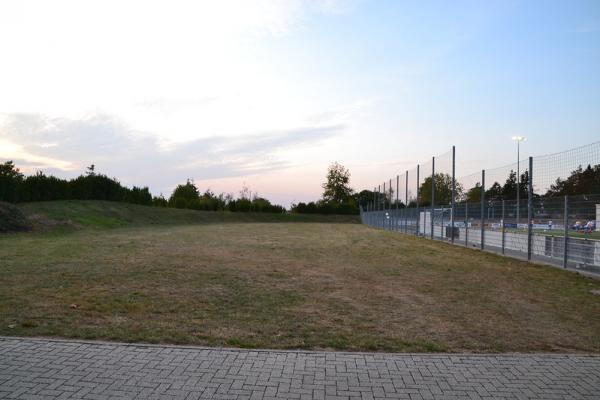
(47, 369)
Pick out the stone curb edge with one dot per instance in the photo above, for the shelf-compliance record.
(297, 351)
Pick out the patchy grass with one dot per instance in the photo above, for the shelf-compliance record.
(288, 285)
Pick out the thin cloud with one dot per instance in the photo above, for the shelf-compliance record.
(141, 159)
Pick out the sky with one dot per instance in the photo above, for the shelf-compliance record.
(267, 93)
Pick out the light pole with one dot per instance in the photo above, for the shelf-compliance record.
(518, 139)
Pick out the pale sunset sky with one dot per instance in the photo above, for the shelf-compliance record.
(268, 93)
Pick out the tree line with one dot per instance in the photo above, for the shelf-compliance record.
(338, 196)
(580, 181)
(15, 187)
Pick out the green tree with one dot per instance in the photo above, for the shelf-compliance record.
(524, 185)
(494, 193)
(365, 197)
(581, 181)
(473, 195)
(184, 195)
(509, 189)
(9, 170)
(443, 190)
(337, 188)
(10, 181)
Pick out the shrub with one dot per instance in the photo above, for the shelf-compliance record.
(322, 207)
(178, 202)
(160, 201)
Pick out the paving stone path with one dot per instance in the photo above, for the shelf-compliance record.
(49, 369)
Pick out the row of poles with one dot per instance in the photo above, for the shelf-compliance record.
(379, 218)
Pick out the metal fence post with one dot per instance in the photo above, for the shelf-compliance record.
(396, 226)
(382, 201)
(386, 215)
(432, 192)
(378, 206)
(418, 222)
(466, 224)
(530, 209)
(373, 206)
(482, 209)
(566, 233)
(442, 224)
(383, 205)
(378, 217)
(390, 214)
(378, 197)
(453, 193)
(503, 229)
(384, 193)
(406, 203)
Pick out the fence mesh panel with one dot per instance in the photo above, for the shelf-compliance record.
(411, 213)
(506, 232)
(424, 218)
(549, 211)
(442, 213)
(468, 209)
(559, 166)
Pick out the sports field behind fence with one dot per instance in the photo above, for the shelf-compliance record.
(544, 208)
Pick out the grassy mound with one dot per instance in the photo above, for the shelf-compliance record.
(106, 214)
(12, 219)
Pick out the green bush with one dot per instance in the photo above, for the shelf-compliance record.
(322, 207)
(179, 202)
(160, 201)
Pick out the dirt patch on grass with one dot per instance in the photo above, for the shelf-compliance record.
(42, 223)
(12, 219)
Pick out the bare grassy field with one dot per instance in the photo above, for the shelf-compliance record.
(289, 285)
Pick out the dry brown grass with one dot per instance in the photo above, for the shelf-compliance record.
(292, 285)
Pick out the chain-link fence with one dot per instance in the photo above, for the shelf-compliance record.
(544, 208)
